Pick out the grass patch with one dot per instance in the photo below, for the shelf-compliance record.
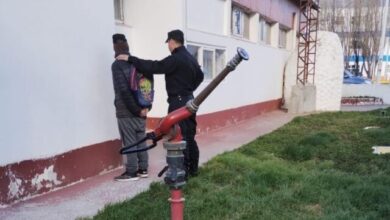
(316, 167)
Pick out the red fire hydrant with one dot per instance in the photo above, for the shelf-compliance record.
(175, 176)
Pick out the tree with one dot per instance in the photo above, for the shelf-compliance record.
(358, 24)
(371, 39)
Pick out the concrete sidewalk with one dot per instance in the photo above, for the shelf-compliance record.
(87, 197)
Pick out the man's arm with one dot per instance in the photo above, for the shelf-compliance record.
(165, 66)
(122, 85)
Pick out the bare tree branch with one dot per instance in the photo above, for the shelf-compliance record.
(358, 24)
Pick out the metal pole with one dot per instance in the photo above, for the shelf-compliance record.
(177, 204)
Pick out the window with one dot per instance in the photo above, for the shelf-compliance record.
(212, 60)
(265, 31)
(237, 22)
(118, 11)
(283, 38)
(208, 64)
(240, 22)
(194, 51)
(219, 60)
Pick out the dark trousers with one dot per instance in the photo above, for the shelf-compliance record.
(188, 130)
(131, 130)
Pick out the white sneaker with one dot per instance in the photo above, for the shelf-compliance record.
(142, 173)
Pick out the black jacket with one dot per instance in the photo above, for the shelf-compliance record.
(125, 104)
(182, 72)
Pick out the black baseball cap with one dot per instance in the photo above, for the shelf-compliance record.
(176, 35)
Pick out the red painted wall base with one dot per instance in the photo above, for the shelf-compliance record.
(29, 177)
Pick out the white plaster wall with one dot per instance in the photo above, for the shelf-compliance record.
(55, 78)
(329, 72)
(150, 21)
(290, 77)
(254, 81)
(376, 90)
(275, 35)
(205, 23)
(206, 15)
(254, 27)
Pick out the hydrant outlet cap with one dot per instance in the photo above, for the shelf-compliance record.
(243, 54)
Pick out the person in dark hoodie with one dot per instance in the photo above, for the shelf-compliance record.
(182, 76)
(130, 116)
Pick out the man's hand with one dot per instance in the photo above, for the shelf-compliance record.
(144, 112)
(123, 57)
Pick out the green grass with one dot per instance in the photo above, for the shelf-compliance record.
(316, 167)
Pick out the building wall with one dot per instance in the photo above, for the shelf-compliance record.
(58, 121)
(280, 11)
(211, 28)
(55, 77)
(254, 81)
(147, 35)
(196, 20)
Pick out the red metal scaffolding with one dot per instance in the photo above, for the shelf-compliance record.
(307, 41)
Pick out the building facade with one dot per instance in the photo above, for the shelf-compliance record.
(58, 122)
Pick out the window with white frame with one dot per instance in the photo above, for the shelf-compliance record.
(118, 11)
(219, 60)
(240, 22)
(211, 59)
(283, 38)
(194, 51)
(265, 31)
(208, 63)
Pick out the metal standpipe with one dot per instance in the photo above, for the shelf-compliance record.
(175, 176)
(168, 128)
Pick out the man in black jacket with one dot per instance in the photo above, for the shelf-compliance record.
(130, 116)
(182, 76)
